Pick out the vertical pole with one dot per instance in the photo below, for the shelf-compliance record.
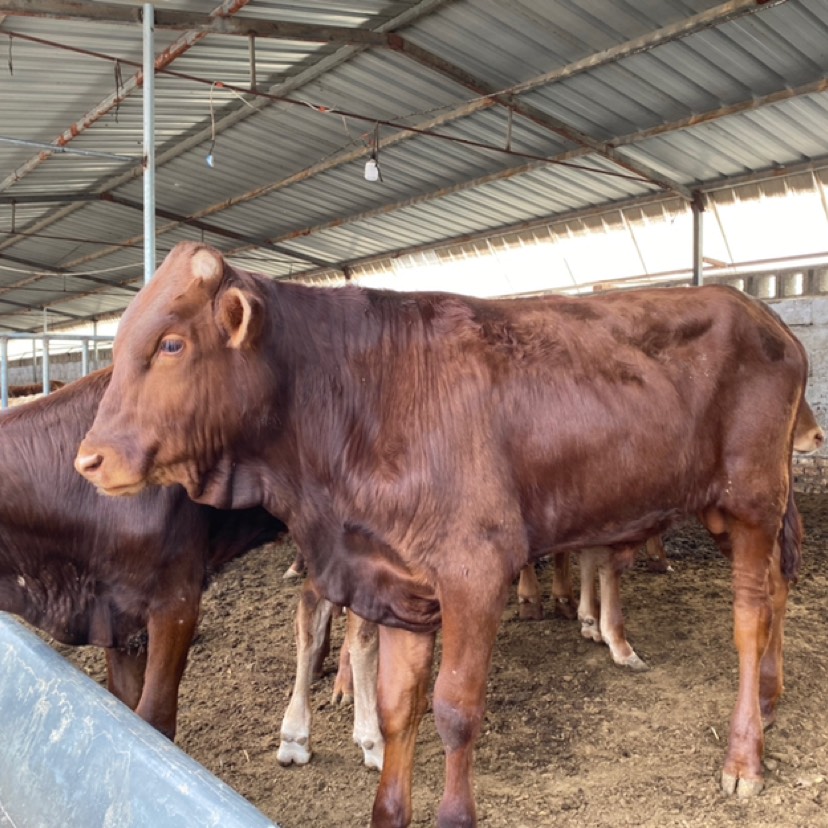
(95, 345)
(149, 141)
(4, 372)
(46, 382)
(698, 248)
(84, 357)
(251, 49)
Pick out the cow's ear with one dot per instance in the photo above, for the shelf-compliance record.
(207, 265)
(240, 314)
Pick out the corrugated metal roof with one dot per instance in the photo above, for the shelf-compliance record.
(637, 100)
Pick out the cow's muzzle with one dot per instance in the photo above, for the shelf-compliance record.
(108, 470)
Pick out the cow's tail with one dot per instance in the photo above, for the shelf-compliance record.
(790, 540)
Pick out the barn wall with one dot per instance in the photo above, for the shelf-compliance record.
(808, 318)
(64, 367)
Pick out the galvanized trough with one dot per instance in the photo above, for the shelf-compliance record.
(72, 755)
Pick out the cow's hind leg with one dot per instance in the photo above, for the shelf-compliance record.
(588, 612)
(530, 600)
(611, 565)
(405, 660)
(363, 642)
(343, 687)
(752, 552)
(771, 678)
(562, 594)
(313, 615)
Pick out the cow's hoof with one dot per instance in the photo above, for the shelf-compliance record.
(590, 630)
(565, 608)
(372, 753)
(293, 752)
(341, 698)
(292, 574)
(634, 663)
(742, 787)
(530, 610)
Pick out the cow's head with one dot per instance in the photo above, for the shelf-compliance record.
(184, 385)
(808, 434)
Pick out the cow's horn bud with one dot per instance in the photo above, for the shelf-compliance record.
(207, 265)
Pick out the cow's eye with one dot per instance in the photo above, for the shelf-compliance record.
(171, 346)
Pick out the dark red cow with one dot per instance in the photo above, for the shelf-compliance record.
(32, 388)
(126, 575)
(422, 448)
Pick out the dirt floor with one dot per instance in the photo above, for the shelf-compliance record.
(569, 739)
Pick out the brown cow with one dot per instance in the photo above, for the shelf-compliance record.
(422, 447)
(126, 575)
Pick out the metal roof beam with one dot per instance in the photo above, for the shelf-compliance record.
(242, 111)
(216, 230)
(56, 271)
(795, 168)
(49, 198)
(177, 20)
(542, 119)
(351, 155)
(39, 308)
(163, 59)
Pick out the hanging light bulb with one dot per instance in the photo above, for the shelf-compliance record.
(372, 170)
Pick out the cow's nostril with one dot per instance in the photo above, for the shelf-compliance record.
(88, 463)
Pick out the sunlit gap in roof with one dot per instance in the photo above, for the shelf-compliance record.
(751, 231)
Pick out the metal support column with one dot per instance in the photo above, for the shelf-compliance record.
(697, 206)
(4, 373)
(149, 140)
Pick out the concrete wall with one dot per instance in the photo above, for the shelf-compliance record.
(64, 367)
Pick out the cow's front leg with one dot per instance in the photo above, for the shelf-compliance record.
(404, 673)
(170, 631)
(752, 550)
(471, 616)
(125, 667)
(313, 614)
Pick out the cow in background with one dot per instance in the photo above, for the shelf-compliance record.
(421, 447)
(32, 388)
(125, 575)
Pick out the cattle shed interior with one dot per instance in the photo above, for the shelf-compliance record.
(517, 147)
(487, 147)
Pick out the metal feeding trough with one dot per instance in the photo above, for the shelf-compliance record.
(71, 754)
